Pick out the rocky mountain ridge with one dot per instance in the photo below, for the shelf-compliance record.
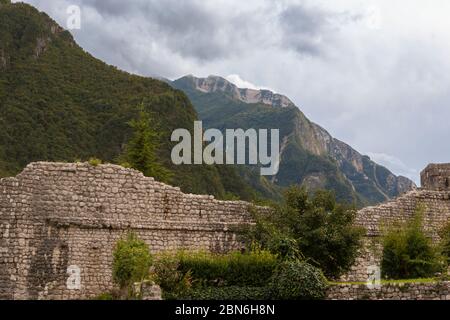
(309, 154)
(246, 95)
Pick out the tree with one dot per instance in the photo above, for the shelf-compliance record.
(141, 152)
(407, 252)
(315, 227)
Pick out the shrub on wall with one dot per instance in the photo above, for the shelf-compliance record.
(132, 260)
(298, 280)
(408, 253)
(95, 162)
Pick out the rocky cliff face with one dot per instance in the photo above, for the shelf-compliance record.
(309, 156)
(217, 84)
(359, 167)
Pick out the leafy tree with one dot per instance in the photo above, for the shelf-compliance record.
(132, 260)
(407, 252)
(314, 226)
(141, 152)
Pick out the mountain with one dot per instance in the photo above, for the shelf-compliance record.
(58, 103)
(218, 84)
(310, 156)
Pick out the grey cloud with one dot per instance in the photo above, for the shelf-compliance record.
(201, 31)
(195, 30)
(303, 28)
(307, 29)
(188, 28)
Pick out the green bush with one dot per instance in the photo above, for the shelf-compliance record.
(255, 275)
(408, 253)
(132, 260)
(297, 280)
(286, 247)
(224, 293)
(95, 162)
(252, 269)
(167, 275)
(313, 226)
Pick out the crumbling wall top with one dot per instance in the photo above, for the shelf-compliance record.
(436, 177)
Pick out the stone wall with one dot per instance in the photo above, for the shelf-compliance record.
(436, 177)
(436, 206)
(59, 223)
(394, 291)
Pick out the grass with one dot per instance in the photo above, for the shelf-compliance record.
(95, 162)
(385, 282)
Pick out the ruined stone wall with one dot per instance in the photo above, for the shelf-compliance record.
(436, 177)
(393, 291)
(59, 224)
(436, 206)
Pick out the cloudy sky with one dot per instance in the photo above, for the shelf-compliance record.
(375, 73)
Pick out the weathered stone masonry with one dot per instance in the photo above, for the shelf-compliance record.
(57, 219)
(393, 291)
(59, 224)
(434, 197)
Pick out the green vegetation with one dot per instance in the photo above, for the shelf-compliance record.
(314, 226)
(298, 280)
(408, 253)
(94, 162)
(132, 261)
(105, 297)
(253, 275)
(166, 273)
(141, 150)
(252, 268)
(181, 272)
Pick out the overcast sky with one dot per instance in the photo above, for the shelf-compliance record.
(374, 73)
